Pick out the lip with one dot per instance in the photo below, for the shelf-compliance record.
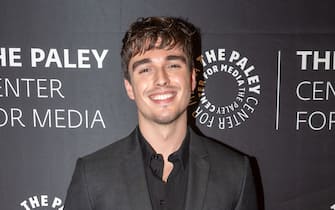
(163, 97)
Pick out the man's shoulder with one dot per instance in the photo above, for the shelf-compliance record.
(219, 150)
(223, 159)
(114, 151)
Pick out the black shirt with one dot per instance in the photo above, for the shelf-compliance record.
(168, 195)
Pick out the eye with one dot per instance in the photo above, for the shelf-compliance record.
(143, 70)
(174, 66)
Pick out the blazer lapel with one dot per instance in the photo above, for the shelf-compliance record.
(134, 176)
(198, 174)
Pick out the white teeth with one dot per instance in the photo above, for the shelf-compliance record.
(161, 97)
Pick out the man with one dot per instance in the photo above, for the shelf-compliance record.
(162, 164)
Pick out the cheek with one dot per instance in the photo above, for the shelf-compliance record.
(182, 78)
(139, 88)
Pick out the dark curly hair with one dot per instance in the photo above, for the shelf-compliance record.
(145, 32)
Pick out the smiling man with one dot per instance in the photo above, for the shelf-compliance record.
(162, 164)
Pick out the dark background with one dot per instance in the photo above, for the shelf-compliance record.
(296, 167)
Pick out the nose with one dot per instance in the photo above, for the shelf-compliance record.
(162, 77)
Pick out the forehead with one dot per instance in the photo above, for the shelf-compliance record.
(157, 55)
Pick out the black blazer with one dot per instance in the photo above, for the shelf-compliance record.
(113, 178)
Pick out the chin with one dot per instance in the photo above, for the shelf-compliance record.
(164, 121)
(168, 119)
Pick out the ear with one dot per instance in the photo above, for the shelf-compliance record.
(129, 89)
(193, 79)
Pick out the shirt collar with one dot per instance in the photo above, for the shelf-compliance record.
(182, 154)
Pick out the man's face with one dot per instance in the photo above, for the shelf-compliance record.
(160, 84)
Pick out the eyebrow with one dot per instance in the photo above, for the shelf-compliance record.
(168, 58)
(176, 57)
(140, 62)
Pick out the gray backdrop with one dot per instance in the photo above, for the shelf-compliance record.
(58, 101)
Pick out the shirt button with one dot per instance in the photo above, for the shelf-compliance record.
(162, 202)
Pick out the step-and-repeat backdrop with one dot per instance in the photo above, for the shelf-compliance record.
(267, 88)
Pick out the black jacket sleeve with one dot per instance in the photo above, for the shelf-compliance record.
(248, 197)
(78, 197)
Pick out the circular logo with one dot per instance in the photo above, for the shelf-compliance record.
(228, 89)
(42, 201)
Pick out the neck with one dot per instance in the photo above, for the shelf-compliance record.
(164, 138)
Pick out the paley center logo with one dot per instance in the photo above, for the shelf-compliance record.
(228, 89)
(42, 202)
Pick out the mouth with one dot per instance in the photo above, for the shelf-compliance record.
(165, 97)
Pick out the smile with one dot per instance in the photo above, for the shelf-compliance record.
(161, 97)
